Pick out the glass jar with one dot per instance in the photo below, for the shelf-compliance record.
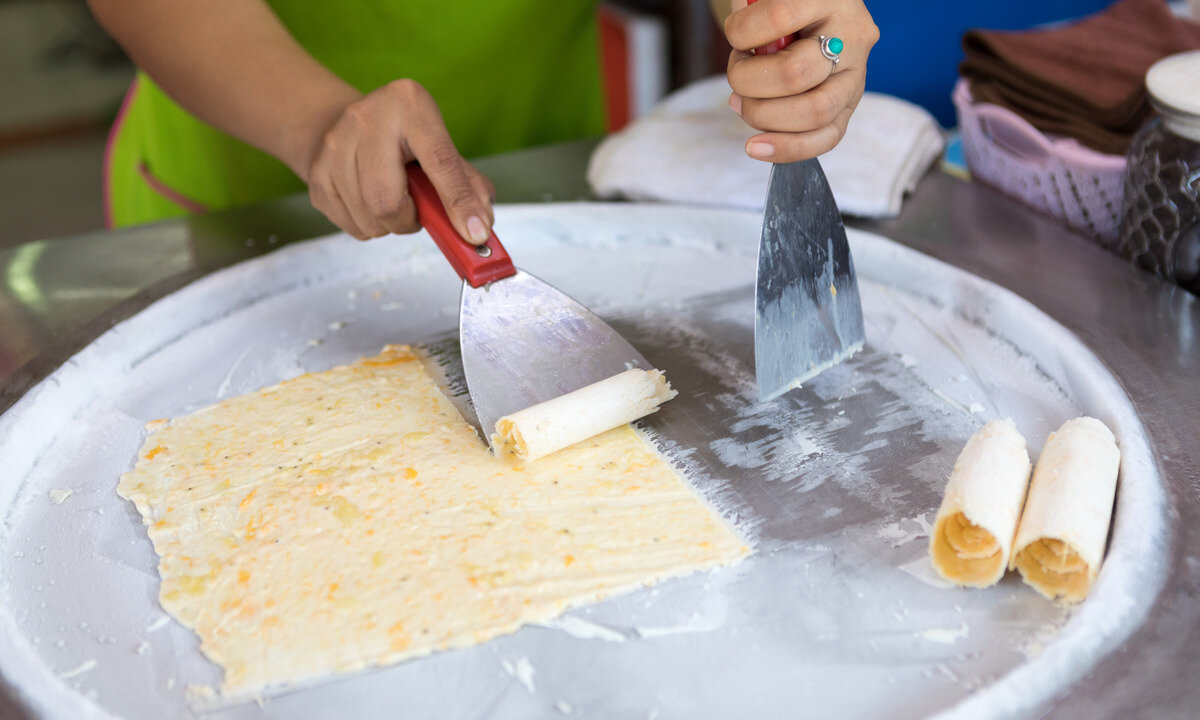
(1160, 224)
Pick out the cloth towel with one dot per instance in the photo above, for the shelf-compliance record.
(1085, 79)
(691, 149)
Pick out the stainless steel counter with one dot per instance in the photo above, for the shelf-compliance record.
(58, 295)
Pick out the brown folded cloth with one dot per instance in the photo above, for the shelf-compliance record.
(1085, 79)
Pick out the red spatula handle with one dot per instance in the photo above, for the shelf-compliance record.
(775, 45)
(478, 265)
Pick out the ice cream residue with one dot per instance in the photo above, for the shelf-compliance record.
(522, 670)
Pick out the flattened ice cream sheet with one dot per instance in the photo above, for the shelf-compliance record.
(351, 518)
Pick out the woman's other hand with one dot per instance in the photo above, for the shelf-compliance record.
(799, 98)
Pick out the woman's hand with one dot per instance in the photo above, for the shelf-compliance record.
(350, 149)
(798, 97)
(356, 172)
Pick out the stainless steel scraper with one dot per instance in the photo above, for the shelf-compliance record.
(807, 310)
(523, 342)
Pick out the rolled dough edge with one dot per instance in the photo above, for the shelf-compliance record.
(1079, 459)
(548, 427)
(987, 488)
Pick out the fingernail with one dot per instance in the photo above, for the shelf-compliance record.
(476, 229)
(761, 149)
(735, 102)
(737, 5)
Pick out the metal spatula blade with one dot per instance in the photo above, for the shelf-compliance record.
(808, 313)
(523, 342)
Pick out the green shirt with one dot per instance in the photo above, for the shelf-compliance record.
(506, 74)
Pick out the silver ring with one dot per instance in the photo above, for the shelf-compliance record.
(831, 48)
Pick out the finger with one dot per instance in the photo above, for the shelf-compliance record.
(430, 143)
(485, 190)
(344, 173)
(807, 111)
(768, 20)
(384, 185)
(341, 145)
(797, 68)
(790, 147)
(324, 197)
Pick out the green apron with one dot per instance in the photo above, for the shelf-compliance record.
(506, 74)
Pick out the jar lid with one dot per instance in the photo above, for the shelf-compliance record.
(1174, 82)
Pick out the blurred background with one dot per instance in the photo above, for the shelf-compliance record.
(62, 81)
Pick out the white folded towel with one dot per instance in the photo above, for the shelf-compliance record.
(690, 149)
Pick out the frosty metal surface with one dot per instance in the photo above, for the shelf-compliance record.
(523, 342)
(830, 485)
(808, 313)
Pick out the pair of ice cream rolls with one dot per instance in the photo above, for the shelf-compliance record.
(1051, 528)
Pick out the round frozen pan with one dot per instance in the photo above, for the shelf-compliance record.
(835, 615)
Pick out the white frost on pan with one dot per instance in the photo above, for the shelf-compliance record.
(158, 624)
(81, 669)
(898, 535)
(923, 570)
(946, 636)
(522, 671)
(223, 388)
(805, 445)
(199, 693)
(696, 623)
(951, 401)
(584, 629)
(946, 671)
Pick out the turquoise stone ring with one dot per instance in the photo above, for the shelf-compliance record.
(831, 48)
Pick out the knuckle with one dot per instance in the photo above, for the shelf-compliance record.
(331, 144)
(462, 198)
(382, 202)
(825, 109)
(738, 76)
(444, 155)
(779, 15)
(839, 132)
(406, 225)
(359, 111)
(752, 113)
(872, 36)
(796, 74)
(405, 89)
(733, 29)
(404, 220)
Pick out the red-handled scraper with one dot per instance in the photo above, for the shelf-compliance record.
(523, 342)
(808, 313)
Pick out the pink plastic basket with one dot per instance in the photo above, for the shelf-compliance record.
(1056, 175)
